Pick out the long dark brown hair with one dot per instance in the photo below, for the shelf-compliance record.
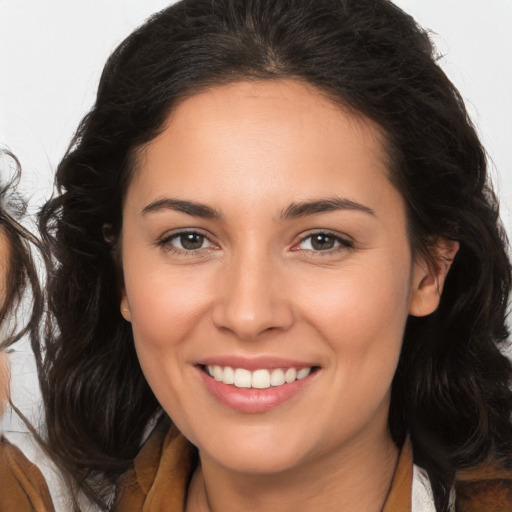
(451, 392)
(22, 281)
(21, 310)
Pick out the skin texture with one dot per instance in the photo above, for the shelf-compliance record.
(4, 364)
(257, 287)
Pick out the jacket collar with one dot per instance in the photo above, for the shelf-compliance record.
(159, 478)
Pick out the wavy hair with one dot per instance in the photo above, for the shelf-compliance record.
(451, 391)
(19, 268)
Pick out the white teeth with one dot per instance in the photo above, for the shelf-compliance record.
(217, 373)
(242, 378)
(303, 373)
(277, 377)
(290, 375)
(228, 376)
(258, 379)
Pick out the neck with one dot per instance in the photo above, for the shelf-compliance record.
(356, 477)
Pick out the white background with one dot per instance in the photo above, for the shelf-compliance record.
(52, 53)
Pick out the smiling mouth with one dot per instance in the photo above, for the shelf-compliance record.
(257, 379)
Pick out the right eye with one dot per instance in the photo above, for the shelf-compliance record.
(186, 242)
(323, 243)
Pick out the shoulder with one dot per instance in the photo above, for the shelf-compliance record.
(159, 476)
(486, 488)
(23, 487)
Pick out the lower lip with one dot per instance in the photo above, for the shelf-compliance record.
(252, 400)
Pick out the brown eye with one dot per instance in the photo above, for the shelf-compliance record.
(186, 241)
(322, 242)
(191, 241)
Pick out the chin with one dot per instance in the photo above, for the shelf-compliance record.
(256, 462)
(261, 453)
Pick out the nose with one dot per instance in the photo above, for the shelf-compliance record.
(252, 299)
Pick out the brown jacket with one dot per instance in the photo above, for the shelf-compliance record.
(22, 486)
(159, 478)
(484, 489)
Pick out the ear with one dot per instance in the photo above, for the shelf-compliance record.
(125, 306)
(116, 258)
(429, 277)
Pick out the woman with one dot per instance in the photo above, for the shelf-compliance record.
(290, 207)
(22, 486)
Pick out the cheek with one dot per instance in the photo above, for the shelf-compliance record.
(164, 299)
(369, 297)
(164, 302)
(166, 309)
(361, 313)
(361, 318)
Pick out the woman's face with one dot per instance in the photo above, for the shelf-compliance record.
(263, 241)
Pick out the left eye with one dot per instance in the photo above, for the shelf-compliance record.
(189, 241)
(322, 242)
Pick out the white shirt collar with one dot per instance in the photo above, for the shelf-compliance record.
(422, 495)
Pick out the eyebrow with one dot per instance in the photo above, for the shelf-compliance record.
(293, 211)
(188, 207)
(315, 207)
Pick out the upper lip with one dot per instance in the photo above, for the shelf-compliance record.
(254, 363)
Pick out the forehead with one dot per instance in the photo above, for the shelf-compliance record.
(248, 134)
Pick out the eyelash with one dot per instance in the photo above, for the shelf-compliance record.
(165, 242)
(343, 243)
